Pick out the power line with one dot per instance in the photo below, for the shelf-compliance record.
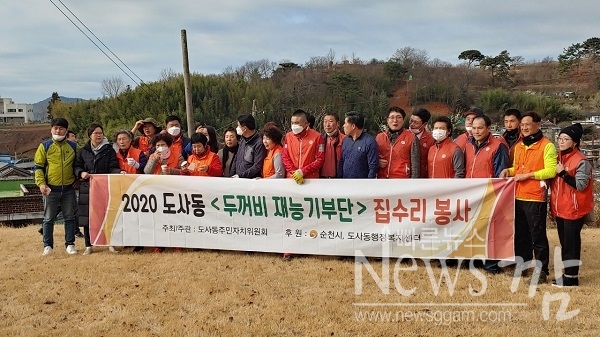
(97, 46)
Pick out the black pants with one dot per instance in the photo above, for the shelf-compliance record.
(530, 231)
(86, 236)
(569, 234)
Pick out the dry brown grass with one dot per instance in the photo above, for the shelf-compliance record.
(210, 293)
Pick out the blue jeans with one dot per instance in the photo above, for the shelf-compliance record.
(65, 199)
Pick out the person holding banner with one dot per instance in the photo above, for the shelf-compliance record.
(360, 155)
(399, 150)
(464, 138)
(148, 128)
(572, 198)
(164, 160)
(273, 165)
(229, 150)
(534, 163)
(303, 149)
(485, 157)
(202, 162)
(96, 157)
(445, 158)
(131, 160)
(251, 152)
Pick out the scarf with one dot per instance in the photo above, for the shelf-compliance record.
(227, 150)
(511, 136)
(533, 138)
(393, 135)
(97, 149)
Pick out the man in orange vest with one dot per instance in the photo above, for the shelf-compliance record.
(572, 198)
(303, 149)
(534, 163)
(445, 158)
(418, 122)
(399, 150)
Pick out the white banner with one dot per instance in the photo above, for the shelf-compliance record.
(432, 218)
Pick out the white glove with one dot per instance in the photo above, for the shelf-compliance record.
(133, 163)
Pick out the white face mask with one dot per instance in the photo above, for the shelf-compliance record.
(174, 131)
(415, 131)
(438, 134)
(164, 152)
(239, 130)
(58, 138)
(296, 129)
(468, 128)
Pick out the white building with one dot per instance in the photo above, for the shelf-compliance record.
(14, 113)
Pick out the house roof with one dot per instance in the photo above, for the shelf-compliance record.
(9, 170)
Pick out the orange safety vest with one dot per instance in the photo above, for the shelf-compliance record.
(426, 141)
(268, 168)
(565, 201)
(209, 158)
(440, 164)
(144, 144)
(530, 159)
(172, 162)
(480, 164)
(397, 154)
(131, 153)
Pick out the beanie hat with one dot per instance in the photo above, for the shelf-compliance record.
(574, 131)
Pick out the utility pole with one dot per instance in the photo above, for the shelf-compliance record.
(186, 84)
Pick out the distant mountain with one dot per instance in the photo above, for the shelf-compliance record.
(40, 109)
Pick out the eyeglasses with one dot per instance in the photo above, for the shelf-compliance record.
(395, 118)
(564, 139)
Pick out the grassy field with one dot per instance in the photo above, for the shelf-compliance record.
(212, 293)
(13, 185)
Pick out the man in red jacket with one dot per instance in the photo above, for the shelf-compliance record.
(303, 149)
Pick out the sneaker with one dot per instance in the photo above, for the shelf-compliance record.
(88, 251)
(157, 250)
(112, 249)
(79, 234)
(71, 250)
(564, 281)
(138, 249)
(287, 256)
(47, 250)
(541, 276)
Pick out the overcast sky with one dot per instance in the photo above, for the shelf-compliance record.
(41, 51)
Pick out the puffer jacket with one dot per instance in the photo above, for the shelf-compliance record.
(105, 161)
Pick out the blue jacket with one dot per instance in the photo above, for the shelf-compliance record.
(360, 157)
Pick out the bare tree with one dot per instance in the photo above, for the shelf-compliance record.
(167, 74)
(112, 87)
(411, 57)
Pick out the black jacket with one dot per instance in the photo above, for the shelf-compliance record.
(86, 161)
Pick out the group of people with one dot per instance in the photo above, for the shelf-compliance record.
(342, 151)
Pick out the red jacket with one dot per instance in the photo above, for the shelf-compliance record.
(462, 140)
(397, 155)
(440, 157)
(565, 201)
(480, 163)
(305, 151)
(426, 142)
